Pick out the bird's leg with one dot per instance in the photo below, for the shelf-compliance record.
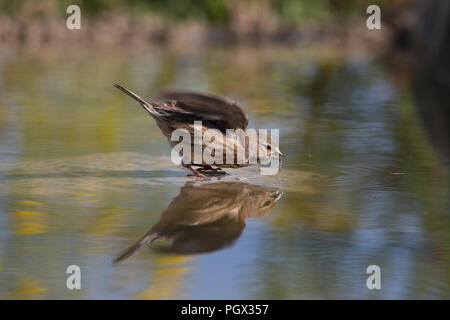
(211, 171)
(207, 167)
(196, 173)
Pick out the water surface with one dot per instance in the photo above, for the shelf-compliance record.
(85, 174)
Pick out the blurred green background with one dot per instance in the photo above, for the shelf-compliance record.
(213, 11)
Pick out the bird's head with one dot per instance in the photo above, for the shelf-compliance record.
(269, 146)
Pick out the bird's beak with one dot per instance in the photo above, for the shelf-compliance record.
(277, 195)
(277, 155)
(145, 104)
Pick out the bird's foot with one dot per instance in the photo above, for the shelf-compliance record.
(212, 172)
(197, 174)
(206, 172)
(207, 168)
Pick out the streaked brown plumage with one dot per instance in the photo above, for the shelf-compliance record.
(183, 108)
(207, 217)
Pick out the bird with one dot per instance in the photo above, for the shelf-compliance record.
(206, 217)
(182, 109)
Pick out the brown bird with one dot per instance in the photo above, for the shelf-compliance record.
(180, 111)
(207, 217)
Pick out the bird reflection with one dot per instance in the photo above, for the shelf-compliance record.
(206, 217)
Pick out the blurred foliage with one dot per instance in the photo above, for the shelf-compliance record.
(214, 11)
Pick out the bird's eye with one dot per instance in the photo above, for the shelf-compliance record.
(269, 147)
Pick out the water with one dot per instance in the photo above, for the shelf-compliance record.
(85, 174)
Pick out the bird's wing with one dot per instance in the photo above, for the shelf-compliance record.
(219, 112)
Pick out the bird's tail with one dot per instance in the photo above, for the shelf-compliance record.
(148, 106)
(145, 240)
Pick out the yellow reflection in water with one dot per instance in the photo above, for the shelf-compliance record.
(168, 279)
(30, 223)
(28, 213)
(107, 222)
(28, 288)
(27, 203)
